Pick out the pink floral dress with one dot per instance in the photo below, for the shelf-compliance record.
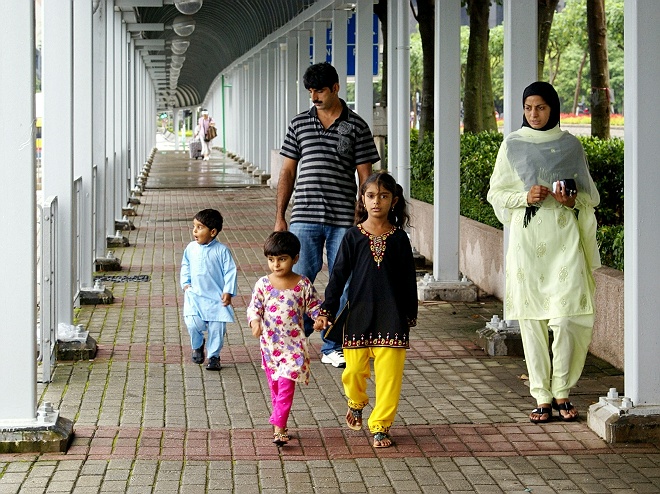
(283, 342)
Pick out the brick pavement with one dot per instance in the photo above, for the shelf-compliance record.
(149, 420)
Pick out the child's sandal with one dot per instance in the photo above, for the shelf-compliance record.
(281, 438)
(354, 419)
(382, 440)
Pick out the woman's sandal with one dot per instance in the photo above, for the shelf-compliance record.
(281, 438)
(540, 411)
(566, 406)
(382, 440)
(354, 419)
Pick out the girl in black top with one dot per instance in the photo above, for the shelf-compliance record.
(382, 301)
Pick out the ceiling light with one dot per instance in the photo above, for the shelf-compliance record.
(183, 25)
(188, 7)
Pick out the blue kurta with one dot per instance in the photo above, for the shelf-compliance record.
(210, 271)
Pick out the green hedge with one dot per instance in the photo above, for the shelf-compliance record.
(478, 153)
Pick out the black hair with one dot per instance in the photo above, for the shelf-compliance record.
(282, 243)
(551, 98)
(320, 75)
(210, 218)
(398, 215)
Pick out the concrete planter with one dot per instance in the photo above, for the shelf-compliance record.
(481, 259)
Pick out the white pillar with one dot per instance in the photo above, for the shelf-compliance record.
(364, 35)
(83, 118)
(339, 43)
(642, 222)
(446, 178)
(393, 118)
(111, 62)
(303, 63)
(291, 84)
(520, 70)
(18, 294)
(403, 102)
(319, 43)
(98, 127)
(57, 161)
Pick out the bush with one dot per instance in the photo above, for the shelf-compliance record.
(478, 154)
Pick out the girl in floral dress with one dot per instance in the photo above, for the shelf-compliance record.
(275, 315)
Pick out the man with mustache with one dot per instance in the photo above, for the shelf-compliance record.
(325, 146)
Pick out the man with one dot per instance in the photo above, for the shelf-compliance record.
(326, 145)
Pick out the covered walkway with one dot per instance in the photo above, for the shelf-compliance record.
(149, 420)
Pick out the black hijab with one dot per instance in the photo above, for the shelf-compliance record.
(550, 96)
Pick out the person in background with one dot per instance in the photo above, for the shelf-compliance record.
(542, 189)
(202, 132)
(325, 146)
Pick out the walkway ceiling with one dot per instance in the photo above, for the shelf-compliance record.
(224, 31)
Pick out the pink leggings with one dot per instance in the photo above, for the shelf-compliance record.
(281, 395)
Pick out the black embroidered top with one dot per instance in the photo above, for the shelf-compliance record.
(382, 292)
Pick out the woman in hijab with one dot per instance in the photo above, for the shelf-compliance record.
(541, 188)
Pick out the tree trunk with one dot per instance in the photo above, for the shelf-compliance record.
(380, 9)
(546, 13)
(426, 21)
(600, 74)
(579, 83)
(489, 121)
(477, 59)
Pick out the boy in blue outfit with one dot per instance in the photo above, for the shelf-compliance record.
(208, 279)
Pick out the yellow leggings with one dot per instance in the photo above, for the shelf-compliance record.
(388, 374)
(571, 339)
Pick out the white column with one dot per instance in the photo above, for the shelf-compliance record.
(520, 57)
(339, 42)
(18, 243)
(134, 159)
(291, 85)
(98, 126)
(393, 118)
(303, 63)
(120, 117)
(83, 119)
(111, 61)
(364, 35)
(403, 103)
(520, 70)
(269, 112)
(57, 161)
(319, 43)
(642, 222)
(447, 116)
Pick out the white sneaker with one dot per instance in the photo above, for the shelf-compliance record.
(336, 358)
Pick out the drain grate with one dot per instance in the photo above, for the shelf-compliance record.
(123, 279)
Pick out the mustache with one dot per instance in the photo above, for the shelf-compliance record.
(316, 101)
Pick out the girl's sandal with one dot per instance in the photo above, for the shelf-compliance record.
(382, 440)
(354, 419)
(281, 438)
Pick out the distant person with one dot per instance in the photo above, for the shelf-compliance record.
(206, 132)
(541, 188)
(376, 256)
(325, 146)
(275, 315)
(208, 279)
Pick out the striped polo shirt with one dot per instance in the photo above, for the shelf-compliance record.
(325, 189)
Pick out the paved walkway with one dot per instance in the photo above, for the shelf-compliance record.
(148, 420)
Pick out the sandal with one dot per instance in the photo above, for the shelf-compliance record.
(281, 438)
(540, 411)
(382, 440)
(566, 406)
(354, 419)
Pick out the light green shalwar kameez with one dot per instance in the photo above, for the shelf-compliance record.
(549, 263)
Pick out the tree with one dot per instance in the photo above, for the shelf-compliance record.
(425, 17)
(546, 11)
(478, 110)
(416, 70)
(600, 76)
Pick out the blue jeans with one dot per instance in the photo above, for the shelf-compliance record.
(312, 237)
